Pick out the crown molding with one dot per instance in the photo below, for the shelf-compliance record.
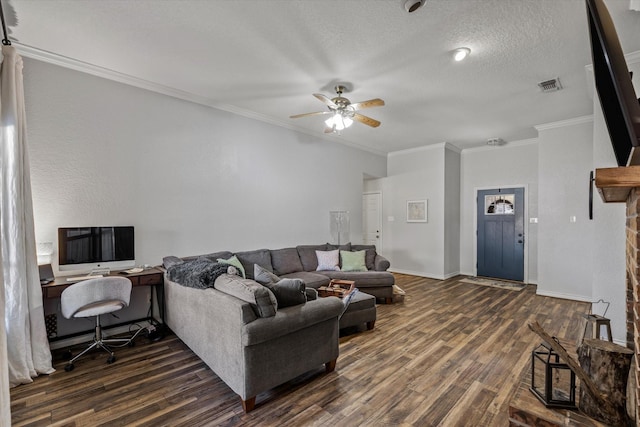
(422, 148)
(513, 144)
(106, 73)
(564, 123)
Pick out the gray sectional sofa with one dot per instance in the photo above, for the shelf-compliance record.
(250, 353)
(300, 262)
(250, 341)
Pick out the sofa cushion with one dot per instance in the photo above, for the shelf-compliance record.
(370, 257)
(262, 300)
(285, 261)
(262, 257)
(353, 261)
(328, 260)
(198, 273)
(234, 261)
(344, 247)
(364, 279)
(288, 292)
(308, 256)
(263, 276)
(311, 279)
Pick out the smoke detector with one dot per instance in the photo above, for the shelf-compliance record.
(496, 142)
(413, 5)
(550, 85)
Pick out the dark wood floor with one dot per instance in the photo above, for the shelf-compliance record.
(451, 354)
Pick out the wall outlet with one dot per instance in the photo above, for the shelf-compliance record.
(533, 220)
(572, 218)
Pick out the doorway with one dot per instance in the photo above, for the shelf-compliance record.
(372, 219)
(500, 233)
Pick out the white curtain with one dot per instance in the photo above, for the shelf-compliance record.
(27, 347)
(5, 402)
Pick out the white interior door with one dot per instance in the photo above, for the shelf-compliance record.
(372, 219)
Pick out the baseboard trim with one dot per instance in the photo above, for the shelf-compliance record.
(561, 295)
(417, 273)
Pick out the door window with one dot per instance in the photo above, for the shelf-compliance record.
(503, 204)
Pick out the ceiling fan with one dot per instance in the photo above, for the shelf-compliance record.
(343, 112)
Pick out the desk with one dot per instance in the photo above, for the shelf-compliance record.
(152, 277)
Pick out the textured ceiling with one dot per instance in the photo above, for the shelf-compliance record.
(264, 58)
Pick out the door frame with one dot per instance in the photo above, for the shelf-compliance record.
(380, 218)
(526, 225)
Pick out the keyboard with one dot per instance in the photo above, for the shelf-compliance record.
(79, 278)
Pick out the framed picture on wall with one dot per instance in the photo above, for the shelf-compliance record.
(416, 211)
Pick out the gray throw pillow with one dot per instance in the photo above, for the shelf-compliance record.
(262, 300)
(311, 294)
(264, 276)
(288, 292)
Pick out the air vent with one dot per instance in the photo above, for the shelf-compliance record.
(550, 85)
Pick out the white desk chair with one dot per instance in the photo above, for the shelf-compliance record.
(94, 297)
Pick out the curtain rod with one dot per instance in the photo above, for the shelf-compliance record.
(5, 40)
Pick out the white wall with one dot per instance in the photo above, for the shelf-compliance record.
(191, 179)
(565, 248)
(420, 248)
(514, 164)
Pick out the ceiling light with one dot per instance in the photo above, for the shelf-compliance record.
(496, 142)
(338, 122)
(413, 5)
(461, 53)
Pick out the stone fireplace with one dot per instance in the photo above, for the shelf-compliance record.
(633, 278)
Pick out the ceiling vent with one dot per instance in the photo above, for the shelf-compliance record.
(413, 5)
(550, 85)
(496, 142)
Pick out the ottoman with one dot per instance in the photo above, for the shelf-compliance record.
(361, 309)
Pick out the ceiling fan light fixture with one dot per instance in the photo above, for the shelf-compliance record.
(338, 122)
(461, 53)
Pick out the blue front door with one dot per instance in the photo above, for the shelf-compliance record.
(501, 233)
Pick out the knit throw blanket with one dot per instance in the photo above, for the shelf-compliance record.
(200, 273)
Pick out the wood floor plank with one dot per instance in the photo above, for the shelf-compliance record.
(452, 353)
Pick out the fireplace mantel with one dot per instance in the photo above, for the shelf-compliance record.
(615, 184)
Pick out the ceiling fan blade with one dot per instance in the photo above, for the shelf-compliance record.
(326, 100)
(317, 113)
(377, 102)
(366, 120)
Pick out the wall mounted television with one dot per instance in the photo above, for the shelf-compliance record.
(618, 99)
(87, 248)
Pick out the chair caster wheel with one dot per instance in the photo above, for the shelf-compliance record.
(111, 359)
(69, 367)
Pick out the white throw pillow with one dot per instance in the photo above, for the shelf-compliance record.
(328, 260)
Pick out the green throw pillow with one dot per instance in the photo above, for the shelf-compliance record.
(235, 262)
(353, 261)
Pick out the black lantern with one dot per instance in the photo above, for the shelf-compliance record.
(553, 382)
